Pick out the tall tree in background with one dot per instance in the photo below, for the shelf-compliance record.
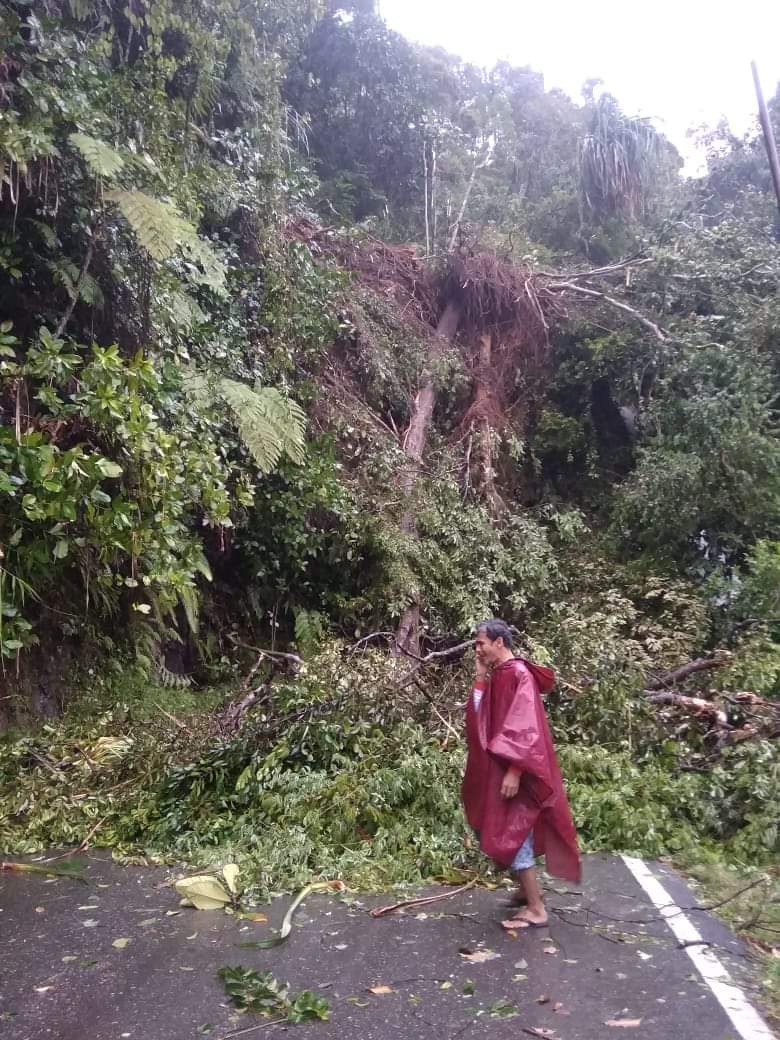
(365, 89)
(618, 161)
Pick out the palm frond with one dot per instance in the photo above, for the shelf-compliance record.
(618, 158)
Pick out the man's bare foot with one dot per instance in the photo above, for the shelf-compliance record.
(526, 919)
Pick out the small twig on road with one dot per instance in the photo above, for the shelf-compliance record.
(380, 911)
(260, 1025)
(669, 906)
(714, 906)
(462, 1030)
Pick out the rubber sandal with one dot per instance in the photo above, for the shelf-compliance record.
(515, 924)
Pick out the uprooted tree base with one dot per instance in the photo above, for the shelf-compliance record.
(499, 315)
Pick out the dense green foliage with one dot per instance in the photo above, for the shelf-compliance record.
(341, 780)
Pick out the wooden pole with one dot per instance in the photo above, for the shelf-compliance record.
(769, 137)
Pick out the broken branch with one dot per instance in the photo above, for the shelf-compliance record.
(650, 325)
(696, 704)
(380, 911)
(701, 664)
(434, 655)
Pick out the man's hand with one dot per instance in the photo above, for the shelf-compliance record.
(480, 671)
(511, 783)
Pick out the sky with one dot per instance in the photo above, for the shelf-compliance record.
(682, 62)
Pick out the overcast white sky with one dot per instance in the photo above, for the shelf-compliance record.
(683, 62)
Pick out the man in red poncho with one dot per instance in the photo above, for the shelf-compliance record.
(513, 793)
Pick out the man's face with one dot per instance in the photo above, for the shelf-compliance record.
(488, 650)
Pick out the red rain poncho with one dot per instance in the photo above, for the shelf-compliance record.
(509, 728)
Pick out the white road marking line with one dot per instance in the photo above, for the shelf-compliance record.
(744, 1017)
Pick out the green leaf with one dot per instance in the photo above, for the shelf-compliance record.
(48, 234)
(101, 158)
(230, 873)
(201, 565)
(108, 468)
(189, 599)
(61, 549)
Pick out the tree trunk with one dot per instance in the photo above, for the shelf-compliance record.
(433, 194)
(408, 633)
(487, 475)
(467, 194)
(427, 209)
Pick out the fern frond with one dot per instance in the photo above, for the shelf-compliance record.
(90, 292)
(270, 424)
(158, 226)
(196, 386)
(67, 274)
(190, 601)
(81, 9)
(48, 234)
(310, 630)
(206, 92)
(184, 310)
(171, 680)
(201, 253)
(162, 231)
(101, 158)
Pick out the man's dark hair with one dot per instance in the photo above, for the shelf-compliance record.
(497, 629)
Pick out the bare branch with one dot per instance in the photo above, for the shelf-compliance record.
(367, 639)
(594, 294)
(695, 704)
(701, 664)
(596, 272)
(77, 287)
(433, 656)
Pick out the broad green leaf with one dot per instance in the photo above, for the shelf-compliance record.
(204, 892)
(108, 468)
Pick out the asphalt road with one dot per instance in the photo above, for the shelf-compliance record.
(117, 959)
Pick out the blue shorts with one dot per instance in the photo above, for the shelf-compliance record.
(525, 855)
